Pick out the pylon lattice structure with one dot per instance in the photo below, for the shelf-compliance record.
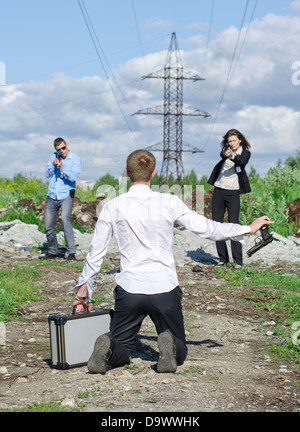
(173, 111)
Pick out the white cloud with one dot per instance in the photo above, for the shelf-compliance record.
(260, 100)
(157, 23)
(273, 128)
(296, 6)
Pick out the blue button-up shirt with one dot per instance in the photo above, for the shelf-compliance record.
(62, 181)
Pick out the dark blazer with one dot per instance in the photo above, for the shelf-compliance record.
(240, 161)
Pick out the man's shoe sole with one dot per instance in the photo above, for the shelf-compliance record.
(167, 353)
(71, 257)
(98, 361)
(50, 256)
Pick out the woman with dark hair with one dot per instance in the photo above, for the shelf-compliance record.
(230, 180)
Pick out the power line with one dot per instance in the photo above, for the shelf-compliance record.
(138, 32)
(105, 58)
(229, 74)
(208, 36)
(246, 34)
(95, 39)
(173, 111)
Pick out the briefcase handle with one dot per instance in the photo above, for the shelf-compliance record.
(79, 313)
(86, 304)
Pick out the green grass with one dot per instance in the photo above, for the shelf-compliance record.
(52, 406)
(257, 275)
(195, 369)
(16, 287)
(275, 294)
(77, 265)
(19, 284)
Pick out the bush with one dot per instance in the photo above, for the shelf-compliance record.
(20, 187)
(270, 196)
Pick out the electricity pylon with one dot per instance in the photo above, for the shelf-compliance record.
(173, 111)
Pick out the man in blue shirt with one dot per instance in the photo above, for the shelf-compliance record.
(63, 169)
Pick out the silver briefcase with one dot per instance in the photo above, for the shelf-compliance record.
(72, 336)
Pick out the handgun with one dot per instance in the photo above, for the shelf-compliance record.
(59, 154)
(261, 242)
(226, 147)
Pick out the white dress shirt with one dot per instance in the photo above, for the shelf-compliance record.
(142, 223)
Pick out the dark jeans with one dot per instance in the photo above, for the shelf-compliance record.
(227, 199)
(130, 310)
(51, 212)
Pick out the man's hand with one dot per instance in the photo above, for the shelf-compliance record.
(81, 306)
(80, 299)
(61, 166)
(82, 291)
(58, 162)
(259, 223)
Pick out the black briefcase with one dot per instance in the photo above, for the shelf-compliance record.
(72, 336)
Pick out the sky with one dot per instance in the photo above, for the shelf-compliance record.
(74, 68)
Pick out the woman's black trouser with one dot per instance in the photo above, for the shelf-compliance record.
(130, 310)
(227, 199)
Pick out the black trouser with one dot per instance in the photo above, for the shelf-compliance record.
(227, 199)
(130, 310)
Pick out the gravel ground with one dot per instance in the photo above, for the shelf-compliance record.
(227, 368)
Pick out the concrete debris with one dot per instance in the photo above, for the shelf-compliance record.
(26, 241)
(21, 234)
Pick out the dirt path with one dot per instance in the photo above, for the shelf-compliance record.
(227, 369)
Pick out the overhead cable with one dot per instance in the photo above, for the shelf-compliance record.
(138, 32)
(97, 44)
(208, 36)
(231, 69)
(244, 40)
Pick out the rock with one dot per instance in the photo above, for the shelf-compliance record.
(26, 204)
(16, 238)
(68, 403)
(84, 214)
(22, 380)
(294, 211)
(282, 239)
(17, 232)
